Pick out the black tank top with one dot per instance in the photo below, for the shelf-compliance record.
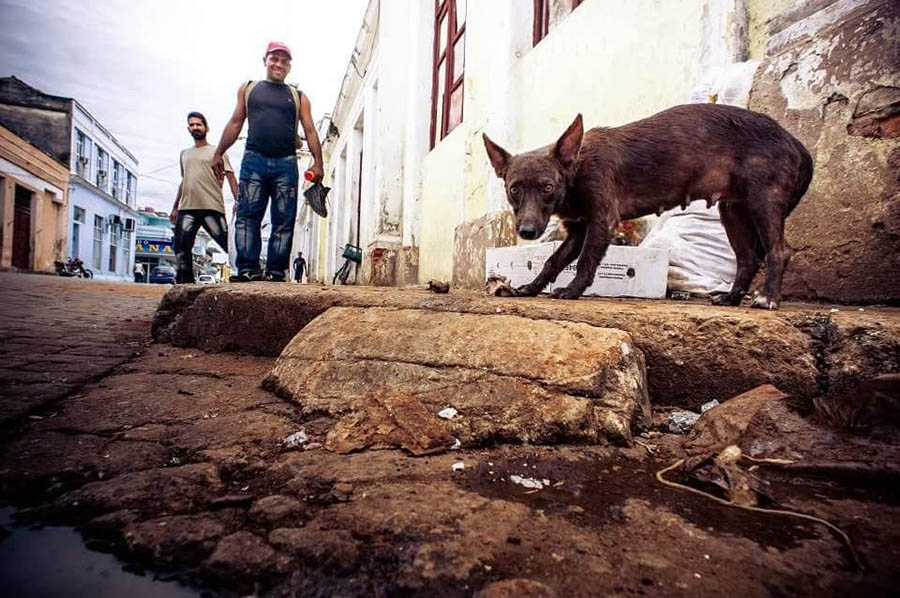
(271, 115)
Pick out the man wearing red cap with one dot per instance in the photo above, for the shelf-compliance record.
(269, 167)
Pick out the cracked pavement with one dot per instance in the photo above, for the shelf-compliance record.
(174, 458)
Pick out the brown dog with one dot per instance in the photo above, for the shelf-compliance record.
(745, 161)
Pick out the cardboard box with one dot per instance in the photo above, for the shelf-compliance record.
(519, 264)
(624, 271)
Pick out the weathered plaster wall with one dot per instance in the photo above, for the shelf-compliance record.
(833, 79)
(472, 239)
(614, 61)
(762, 16)
(442, 205)
(43, 120)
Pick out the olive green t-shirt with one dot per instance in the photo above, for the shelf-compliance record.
(200, 190)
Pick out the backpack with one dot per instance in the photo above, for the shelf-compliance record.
(295, 95)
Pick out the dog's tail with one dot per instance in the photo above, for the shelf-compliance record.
(804, 176)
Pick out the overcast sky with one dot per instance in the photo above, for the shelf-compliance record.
(140, 67)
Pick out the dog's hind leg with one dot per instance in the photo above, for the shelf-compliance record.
(768, 217)
(562, 257)
(742, 236)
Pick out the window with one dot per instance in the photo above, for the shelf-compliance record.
(98, 242)
(82, 154)
(130, 188)
(78, 218)
(101, 179)
(127, 248)
(449, 63)
(114, 234)
(541, 26)
(117, 180)
(548, 14)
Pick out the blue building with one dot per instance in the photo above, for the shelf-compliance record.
(102, 218)
(102, 199)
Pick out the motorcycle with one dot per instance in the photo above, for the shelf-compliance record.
(73, 267)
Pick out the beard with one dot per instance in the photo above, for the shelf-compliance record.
(198, 135)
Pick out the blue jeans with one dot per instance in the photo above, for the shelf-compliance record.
(262, 179)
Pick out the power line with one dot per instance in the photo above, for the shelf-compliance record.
(158, 169)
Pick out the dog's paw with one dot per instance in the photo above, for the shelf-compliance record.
(726, 299)
(760, 301)
(565, 293)
(528, 290)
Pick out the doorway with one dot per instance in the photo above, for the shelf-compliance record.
(21, 253)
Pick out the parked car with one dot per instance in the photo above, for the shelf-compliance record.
(162, 275)
(206, 279)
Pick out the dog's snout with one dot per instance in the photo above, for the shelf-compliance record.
(528, 232)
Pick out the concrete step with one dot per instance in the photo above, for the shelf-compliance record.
(694, 352)
(388, 373)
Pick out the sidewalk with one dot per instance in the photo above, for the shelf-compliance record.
(57, 334)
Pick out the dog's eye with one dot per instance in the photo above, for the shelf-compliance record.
(548, 188)
(514, 191)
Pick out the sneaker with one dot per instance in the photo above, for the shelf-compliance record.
(315, 197)
(245, 277)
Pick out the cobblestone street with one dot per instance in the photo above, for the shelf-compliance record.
(179, 461)
(58, 333)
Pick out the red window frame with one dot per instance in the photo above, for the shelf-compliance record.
(440, 123)
(541, 26)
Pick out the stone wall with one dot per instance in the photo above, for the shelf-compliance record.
(472, 239)
(832, 77)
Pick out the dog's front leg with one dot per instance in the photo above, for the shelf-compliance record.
(562, 257)
(595, 243)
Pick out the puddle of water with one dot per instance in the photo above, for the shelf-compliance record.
(599, 488)
(53, 562)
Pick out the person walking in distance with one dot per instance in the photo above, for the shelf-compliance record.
(269, 166)
(199, 202)
(299, 267)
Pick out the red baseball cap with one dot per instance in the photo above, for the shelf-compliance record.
(273, 46)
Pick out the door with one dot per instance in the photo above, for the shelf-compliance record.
(21, 255)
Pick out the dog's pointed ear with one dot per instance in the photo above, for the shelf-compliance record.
(569, 145)
(499, 156)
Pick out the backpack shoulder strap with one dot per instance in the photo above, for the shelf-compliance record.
(295, 94)
(247, 90)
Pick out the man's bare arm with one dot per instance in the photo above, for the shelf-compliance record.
(312, 138)
(173, 215)
(230, 133)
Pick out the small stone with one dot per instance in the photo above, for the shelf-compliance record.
(707, 406)
(530, 483)
(458, 466)
(296, 439)
(447, 413)
(681, 422)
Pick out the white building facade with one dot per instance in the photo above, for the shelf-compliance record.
(411, 182)
(103, 199)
